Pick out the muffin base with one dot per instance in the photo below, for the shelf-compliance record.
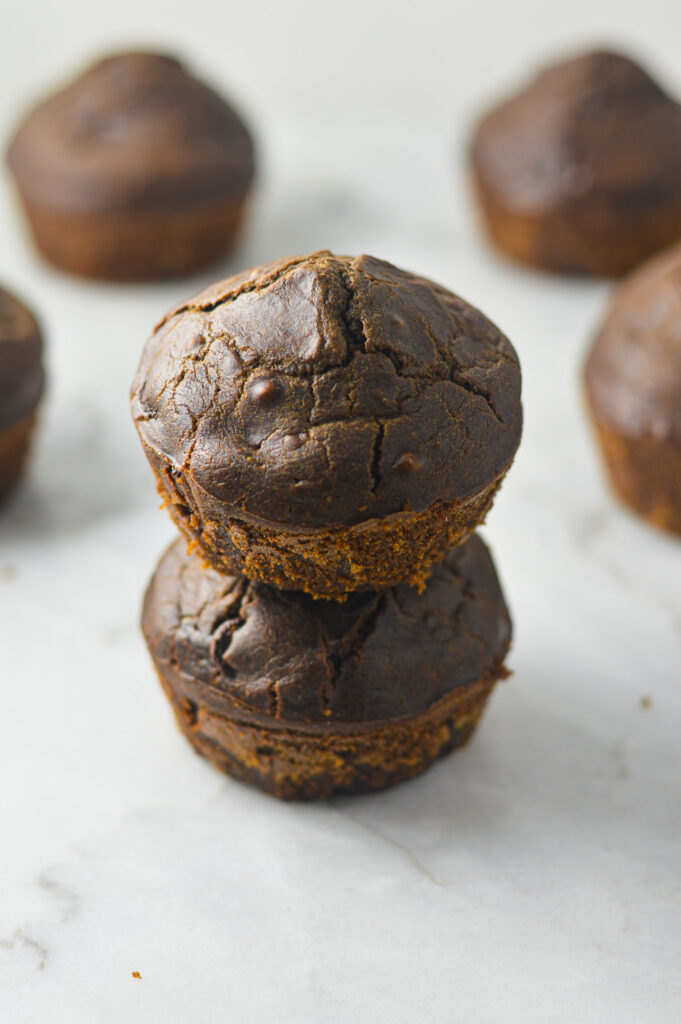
(645, 474)
(293, 763)
(14, 449)
(140, 245)
(558, 244)
(326, 562)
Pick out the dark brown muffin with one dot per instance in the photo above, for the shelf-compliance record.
(21, 386)
(135, 170)
(633, 388)
(326, 423)
(580, 172)
(307, 698)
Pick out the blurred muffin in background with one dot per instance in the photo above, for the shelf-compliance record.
(633, 389)
(22, 381)
(134, 171)
(580, 172)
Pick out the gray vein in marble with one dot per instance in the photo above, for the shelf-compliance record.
(67, 904)
(406, 851)
(620, 752)
(19, 938)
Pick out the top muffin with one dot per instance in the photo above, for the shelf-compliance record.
(320, 394)
(581, 170)
(327, 390)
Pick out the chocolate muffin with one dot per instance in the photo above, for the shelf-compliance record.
(134, 171)
(580, 172)
(633, 388)
(307, 698)
(21, 386)
(326, 423)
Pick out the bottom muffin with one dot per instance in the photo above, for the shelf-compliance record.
(304, 698)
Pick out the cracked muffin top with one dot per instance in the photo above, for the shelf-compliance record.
(285, 655)
(136, 130)
(633, 373)
(21, 368)
(593, 129)
(328, 390)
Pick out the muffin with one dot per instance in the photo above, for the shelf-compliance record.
(633, 389)
(328, 423)
(580, 172)
(134, 171)
(21, 386)
(306, 698)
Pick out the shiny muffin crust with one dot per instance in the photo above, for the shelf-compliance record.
(305, 698)
(327, 423)
(580, 172)
(633, 388)
(135, 170)
(21, 386)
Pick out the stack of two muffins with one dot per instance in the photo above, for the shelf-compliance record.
(328, 432)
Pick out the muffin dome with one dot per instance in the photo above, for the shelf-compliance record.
(307, 698)
(135, 129)
(581, 170)
(327, 390)
(288, 657)
(633, 388)
(134, 171)
(633, 374)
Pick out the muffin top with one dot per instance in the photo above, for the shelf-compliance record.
(134, 131)
(633, 373)
(594, 126)
(241, 645)
(21, 369)
(328, 390)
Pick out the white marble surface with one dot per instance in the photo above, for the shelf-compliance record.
(534, 877)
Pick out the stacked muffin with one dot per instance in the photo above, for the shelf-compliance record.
(327, 432)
